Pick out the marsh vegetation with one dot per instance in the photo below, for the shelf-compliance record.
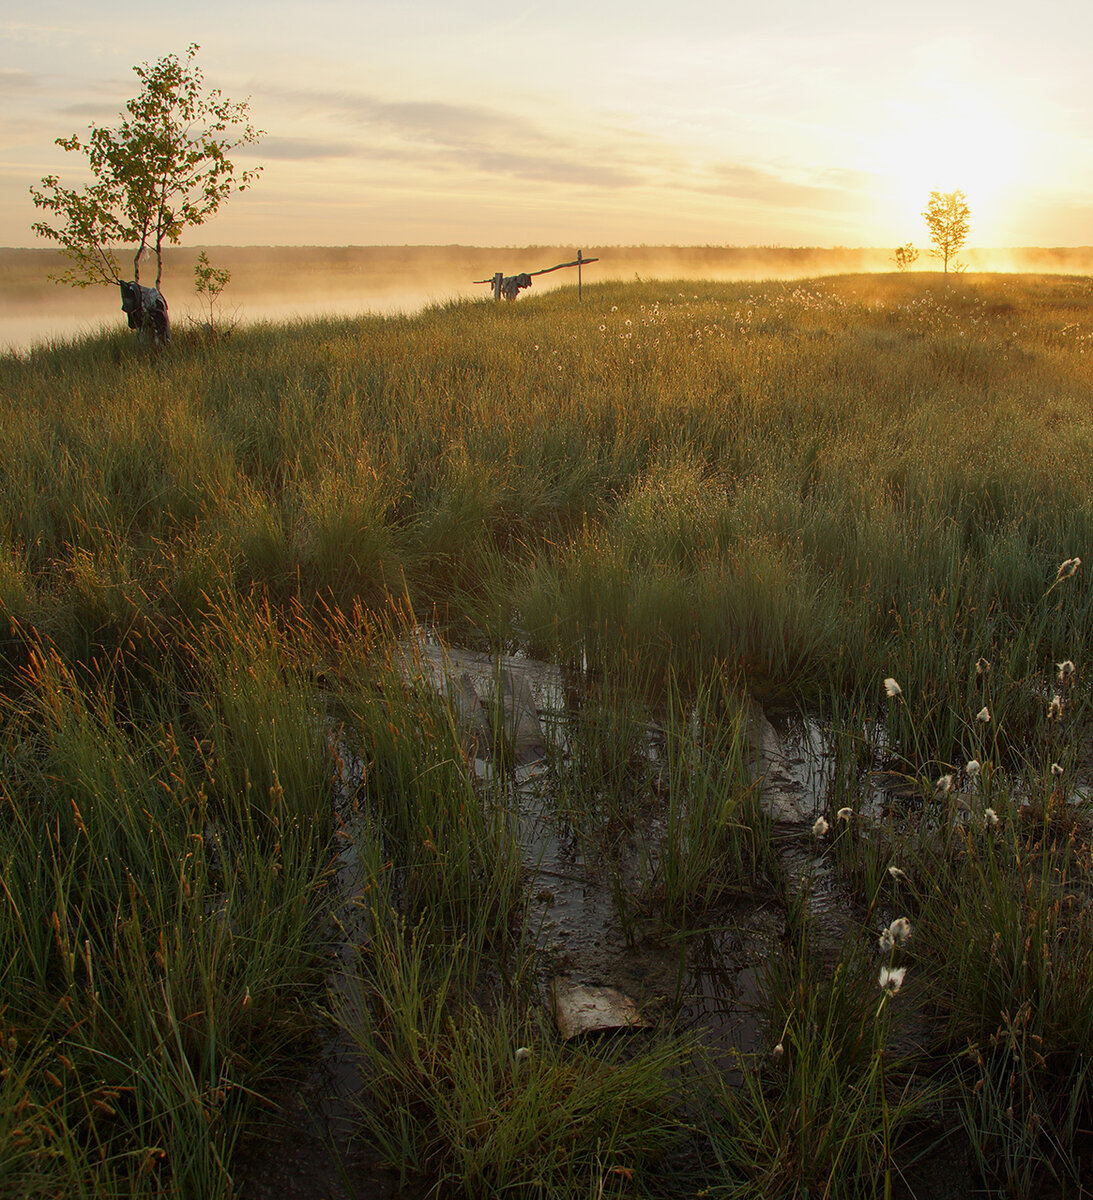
(240, 819)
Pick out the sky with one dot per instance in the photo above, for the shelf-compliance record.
(590, 122)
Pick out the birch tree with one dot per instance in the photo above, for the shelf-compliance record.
(163, 169)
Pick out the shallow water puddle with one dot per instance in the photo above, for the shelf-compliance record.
(574, 892)
(604, 956)
(706, 978)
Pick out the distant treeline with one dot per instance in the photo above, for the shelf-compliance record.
(25, 268)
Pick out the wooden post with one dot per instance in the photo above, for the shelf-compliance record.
(580, 259)
(496, 281)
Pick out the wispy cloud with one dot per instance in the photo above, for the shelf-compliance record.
(432, 121)
(14, 82)
(300, 149)
(827, 190)
(88, 111)
(512, 165)
(441, 136)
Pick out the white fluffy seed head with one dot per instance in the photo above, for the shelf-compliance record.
(891, 979)
(900, 931)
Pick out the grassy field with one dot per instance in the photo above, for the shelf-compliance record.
(681, 495)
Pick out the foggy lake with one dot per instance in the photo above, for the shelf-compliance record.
(24, 328)
(282, 283)
(268, 283)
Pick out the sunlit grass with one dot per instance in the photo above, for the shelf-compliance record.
(217, 567)
(795, 476)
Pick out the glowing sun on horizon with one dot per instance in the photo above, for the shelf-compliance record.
(951, 138)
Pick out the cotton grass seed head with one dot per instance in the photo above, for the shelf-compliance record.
(943, 787)
(991, 818)
(892, 688)
(901, 930)
(820, 827)
(1068, 568)
(891, 979)
(886, 941)
(972, 768)
(897, 873)
(982, 666)
(1065, 669)
(1056, 770)
(1055, 708)
(983, 715)
(844, 814)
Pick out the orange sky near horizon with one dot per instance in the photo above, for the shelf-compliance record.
(525, 123)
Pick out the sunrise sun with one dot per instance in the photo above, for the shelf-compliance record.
(954, 137)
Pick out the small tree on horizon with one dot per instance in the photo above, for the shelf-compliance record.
(164, 169)
(947, 219)
(905, 256)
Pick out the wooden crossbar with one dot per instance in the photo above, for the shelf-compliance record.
(577, 262)
(499, 278)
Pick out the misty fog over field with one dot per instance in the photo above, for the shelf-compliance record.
(277, 283)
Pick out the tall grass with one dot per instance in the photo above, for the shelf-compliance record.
(224, 757)
(800, 477)
(827, 1110)
(483, 1100)
(158, 917)
(1008, 931)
